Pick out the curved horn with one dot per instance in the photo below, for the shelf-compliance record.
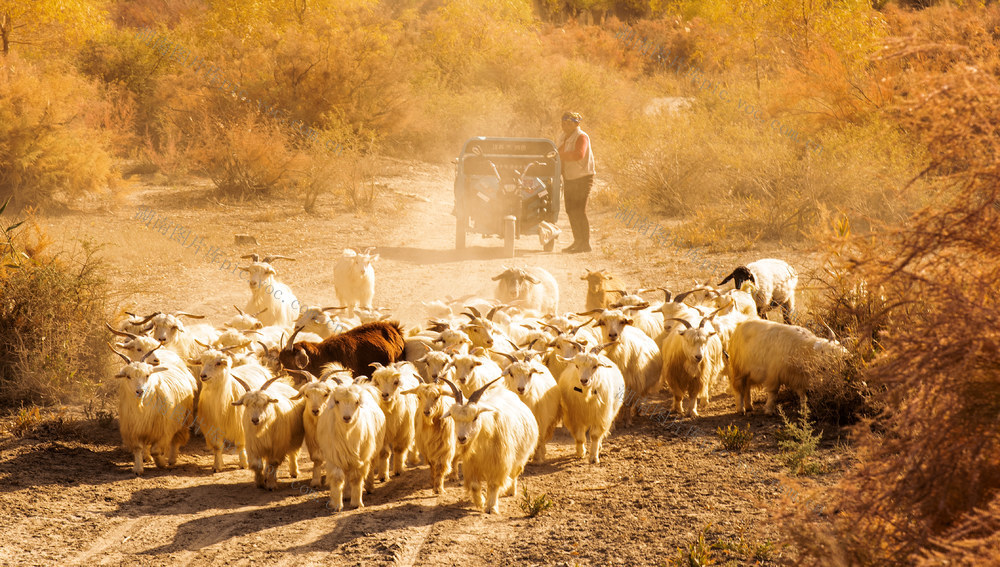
(246, 387)
(376, 365)
(145, 356)
(120, 333)
(253, 257)
(454, 390)
(333, 308)
(268, 383)
(679, 298)
(259, 313)
(506, 355)
(269, 259)
(591, 312)
(489, 316)
(666, 294)
(263, 346)
(582, 325)
(831, 335)
(469, 315)
(244, 345)
(554, 328)
(125, 358)
(147, 318)
(238, 310)
(183, 314)
(203, 344)
(474, 311)
(684, 321)
(599, 348)
(305, 373)
(479, 393)
(702, 322)
(291, 339)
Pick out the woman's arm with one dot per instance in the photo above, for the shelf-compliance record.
(582, 144)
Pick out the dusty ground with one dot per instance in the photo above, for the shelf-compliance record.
(70, 497)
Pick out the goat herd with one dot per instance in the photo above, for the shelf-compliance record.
(482, 391)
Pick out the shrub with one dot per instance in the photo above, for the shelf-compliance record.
(51, 322)
(247, 157)
(49, 154)
(534, 505)
(798, 443)
(733, 438)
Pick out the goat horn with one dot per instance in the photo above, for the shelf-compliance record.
(376, 365)
(506, 355)
(145, 356)
(592, 311)
(263, 346)
(474, 311)
(246, 387)
(599, 348)
(489, 316)
(832, 335)
(305, 373)
(554, 328)
(269, 382)
(333, 308)
(203, 344)
(125, 358)
(253, 257)
(702, 322)
(147, 318)
(244, 345)
(269, 259)
(120, 333)
(680, 296)
(582, 325)
(479, 393)
(238, 310)
(291, 339)
(454, 390)
(183, 314)
(469, 315)
(666, 294)
(684, 321)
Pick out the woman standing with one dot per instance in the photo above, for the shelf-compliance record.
(578, 177)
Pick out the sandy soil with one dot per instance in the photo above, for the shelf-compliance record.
(71, 499)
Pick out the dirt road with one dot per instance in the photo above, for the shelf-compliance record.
(71, 499)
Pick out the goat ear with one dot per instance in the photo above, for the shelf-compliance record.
(409, 392)
(447, 412)
(373, 258)
(121, 374)
(484, 409)
(628, 321)
(238, 402)
(272, 401)
(296, 396)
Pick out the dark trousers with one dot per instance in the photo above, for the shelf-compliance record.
(577, 191)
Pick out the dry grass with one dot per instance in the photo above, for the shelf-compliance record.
(926, 482)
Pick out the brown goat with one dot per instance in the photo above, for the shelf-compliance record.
(381, 341)
(599, 287)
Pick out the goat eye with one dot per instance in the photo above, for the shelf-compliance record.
(396, 383)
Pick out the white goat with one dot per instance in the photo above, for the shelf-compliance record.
(534, 384)
(316, 393)
(399, 412)
(496, 437)
(272, 428)
(635, 354)
(474, 370)
(768, 354)
(174, 335)
(272, 299)
(350, 433)
(155, 410)
(354, 279)
(435, 436)
(602, 289)
(530, 288)
(317, 320)
(592, 391)
(692, 362)
(774, 285)
(218, 419)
